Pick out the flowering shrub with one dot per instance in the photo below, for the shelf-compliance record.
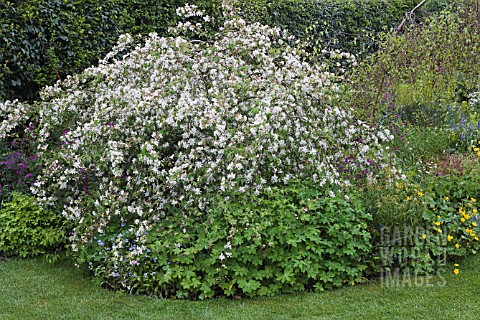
(18, 160)
(157, 134)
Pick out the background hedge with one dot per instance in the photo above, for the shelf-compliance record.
(42, 41)
(45, 40)
(336, 24)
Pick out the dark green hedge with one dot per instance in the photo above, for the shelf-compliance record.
(336, 24)
(44, 40)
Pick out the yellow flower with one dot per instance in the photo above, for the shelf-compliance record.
(449, 237)
(456, 271)
(467, 216)
(446, 198)
(476, 238)
(420, 193)
(475, 211)
(439, 230)
(437, 223)
(408, 198)
(473, 199)
(462, 219)
(474, 224)
(468, 230)
(456, 265)
(457, 246)
(424, 236)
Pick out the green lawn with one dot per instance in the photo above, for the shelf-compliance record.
(33, 289)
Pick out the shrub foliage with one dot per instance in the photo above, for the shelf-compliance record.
(28, 230)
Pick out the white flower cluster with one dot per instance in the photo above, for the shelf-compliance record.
(189, 11)
(473, 99)
(176, 120)
(12, 113)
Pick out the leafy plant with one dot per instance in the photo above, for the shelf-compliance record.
(431, 217)
(289, 238)
(43, 41)
(27, 230)
(463, 123)
(419, 72)
(344, 25)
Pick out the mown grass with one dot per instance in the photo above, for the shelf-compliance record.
(34, 289)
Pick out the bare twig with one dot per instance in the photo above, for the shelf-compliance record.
(408, 16)
(56, 71)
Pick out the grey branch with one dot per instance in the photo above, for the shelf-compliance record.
(408, 16)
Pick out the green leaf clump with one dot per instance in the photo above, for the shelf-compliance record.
(291, 238)
(28, 230)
